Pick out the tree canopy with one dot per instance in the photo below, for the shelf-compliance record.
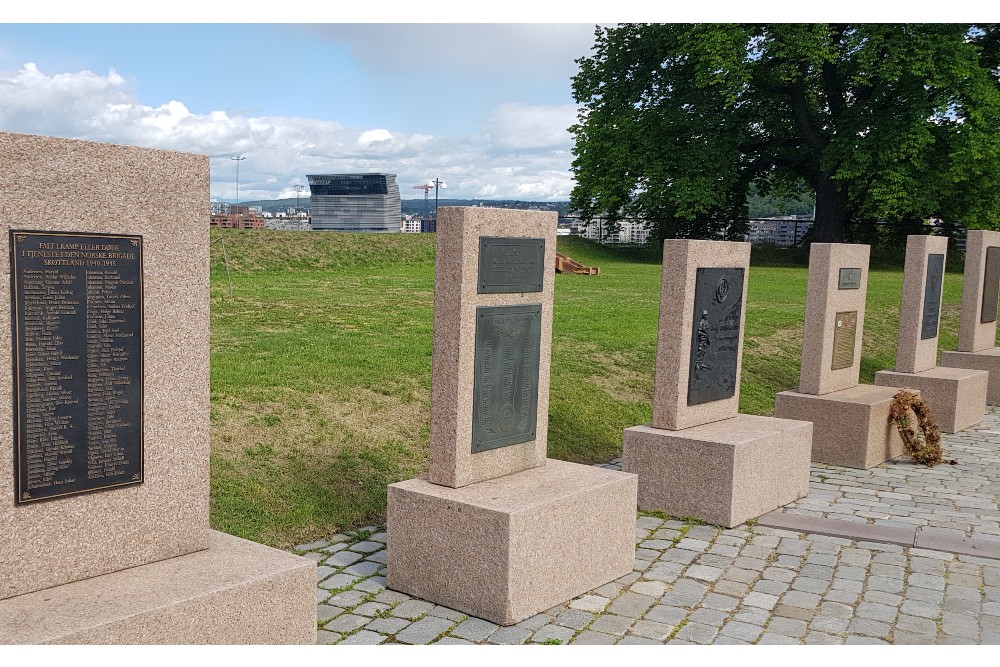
(895, 122)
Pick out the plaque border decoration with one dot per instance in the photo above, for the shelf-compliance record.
(844, 282)
(486, 286)
(716, 281)
(479, 444)
(16, 236)
(937, 287)
(854, 339)
(991, 286)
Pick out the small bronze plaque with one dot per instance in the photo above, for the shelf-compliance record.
(77, 332)
(715, 341)
(932, 296)
(509, 264)
(991, 285)
(849, 279)
(505, 383)
(844, 334)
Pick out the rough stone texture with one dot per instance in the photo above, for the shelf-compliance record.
(456, 269)
(80, 186)
(725, 472)
(823, 301)
(235, 592)
(850, 427)
(681, 261)
(914, 355)
(973, 335)
(984, 360)
(956, 396)
(508, 548)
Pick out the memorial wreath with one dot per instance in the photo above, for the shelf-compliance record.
(916, 425)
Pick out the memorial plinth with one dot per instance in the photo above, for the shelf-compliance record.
(495, 529)
(105, 470)
(977, 324)
(850, 420)
(956, 396)
(699, 457)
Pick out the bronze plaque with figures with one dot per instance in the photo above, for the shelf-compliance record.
(715, 340)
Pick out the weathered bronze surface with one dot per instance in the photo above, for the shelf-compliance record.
(932, 296)
(715, 341)
(991, 285)
(77, 332)
(844, 333)
(505, 384)
(849, 279)
(508, 264)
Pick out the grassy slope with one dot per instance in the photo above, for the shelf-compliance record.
(321, 366)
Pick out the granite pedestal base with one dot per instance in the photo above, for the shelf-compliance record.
(850, 427)
(984, 360)
(956, 396)
(507, 548)
(725, 472)
(234, 592)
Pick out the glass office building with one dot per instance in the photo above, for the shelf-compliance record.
(355, 202)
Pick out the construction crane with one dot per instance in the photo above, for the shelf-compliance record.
(427, 187)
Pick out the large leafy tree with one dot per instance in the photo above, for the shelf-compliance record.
(883, 122)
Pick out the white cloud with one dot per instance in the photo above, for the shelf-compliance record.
(523, 151)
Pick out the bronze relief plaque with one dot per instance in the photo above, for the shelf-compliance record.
(505, 383)
(77, 314)
(991, 285)
(844, 334)
(715, 340)
(510, 264)
(932, 296)
(849, 279)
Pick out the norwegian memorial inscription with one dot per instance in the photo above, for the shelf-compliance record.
(932, 296)
(991, 285)
(849, 279)
(508, 264)
(77, 333)
(844, 333)
(505, 384)
(715, 341)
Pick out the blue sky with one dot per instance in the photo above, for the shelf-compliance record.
(484, 107)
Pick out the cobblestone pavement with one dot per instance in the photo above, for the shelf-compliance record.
(700, 584)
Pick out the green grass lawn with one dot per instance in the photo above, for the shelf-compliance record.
(321, 362)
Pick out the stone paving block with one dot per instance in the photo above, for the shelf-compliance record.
(925, 595)
(363, 638)
(697, 633)
(511, 635)
(810, 585)
(868, 627)
(548, 633)
(646, 554)
(724, 640)
(321, 595)
(388, 626)
(829, 624)
(731, 588)
(676, 555)
(412, 609)
(344, 558)
(691, 544)
(318, 544)
(377, 557)
(347, 599)
(878, 612)
(391, 597)
(744, 631)
(649, 588)
(917, 625)
(959, 625)
(327, 637)
(574, 618)
(346, 623)
(453, 641)
(653, 630)
(855, 639)
(648, 522)
(801, 599)
(339, 581)
(752, 616)
(903, 638)
(325, 612)
(474, 629)
(535, 622)
(424, 631)
(371, 585)
(633, 640)
(631, 604)
(611, 624)
(770, 638)
(837, 609)
(592, 603)
(881, 597)
(447, 613)
(821, 638)
(720, 602)
(707, 616)
(762, 600)
(849, 585)
(609, 590)
(656, 545)
(367, 547)
(370, 609)
(591, 638)
(789, 611)
(362, 569)
(740, 574)
(314, 555)
(666, 614)
(960, 606)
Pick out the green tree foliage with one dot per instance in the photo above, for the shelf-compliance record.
(883, 122)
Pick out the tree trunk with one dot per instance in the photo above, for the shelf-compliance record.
(831, 212)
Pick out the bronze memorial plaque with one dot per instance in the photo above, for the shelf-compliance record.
(844, 333)
(715, 340)
(77, 334)
(510, 264)
(991, 285)
(932, 296)
(849, 279)
(505, 383)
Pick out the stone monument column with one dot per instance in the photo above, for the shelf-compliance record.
(104, 489)
(700, 457)
(495, 529)
(977, 325)
(851, 424)
(956, 396)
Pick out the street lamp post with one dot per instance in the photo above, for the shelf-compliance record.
(437, 183)
(298, 189)
(238, 159)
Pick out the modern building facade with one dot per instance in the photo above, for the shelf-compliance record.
(355, 202)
